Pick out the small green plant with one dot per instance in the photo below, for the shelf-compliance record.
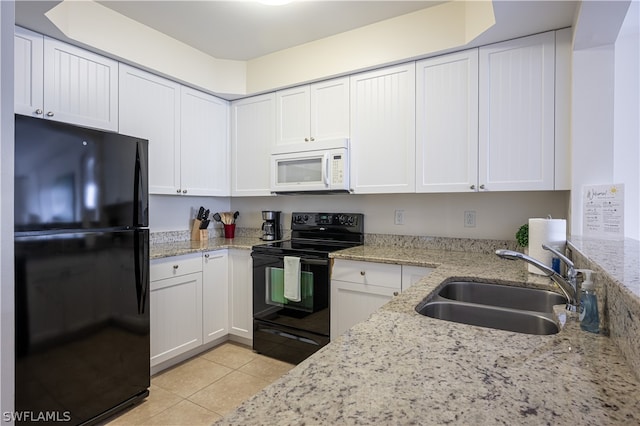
(522, 236)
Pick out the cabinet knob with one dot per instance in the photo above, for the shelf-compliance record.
(176, 266)
(482, 186)
(395, 293)
(472, 187)
(306, 139)
(206, 256)
(50, 114)
(362, 273)
(38, 111)
(312, 139)
(178, 190)
(184, 191)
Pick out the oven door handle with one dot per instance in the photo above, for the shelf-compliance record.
(303, 260)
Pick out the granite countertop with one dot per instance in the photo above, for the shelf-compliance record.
(177, 248)
(399, 367)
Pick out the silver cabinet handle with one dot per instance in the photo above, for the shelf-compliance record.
(306, 139)
(362, 273)
(184, 191)
(50, 114)
(472, 187)
(395, 293)
(482, 186)
(38, 111)
(176, 266)
(178, 190)
(206, 256)
(312, 139)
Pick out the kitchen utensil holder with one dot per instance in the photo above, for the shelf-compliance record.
(230, 230)
(198, 234)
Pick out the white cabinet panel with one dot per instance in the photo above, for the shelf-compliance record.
(447, 123)
(176, 316)
(516, 139)
(412, 274)
(150, 109)
(313, 113)
(383, 130)
(80, 87)
(215, 295)
(241, 293)
(253, 135)
(204, 144)
(28, 73)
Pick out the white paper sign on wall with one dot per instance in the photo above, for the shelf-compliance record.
(603, 211)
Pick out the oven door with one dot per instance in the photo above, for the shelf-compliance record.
(290, 331)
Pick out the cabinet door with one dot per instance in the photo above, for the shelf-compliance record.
(80, 87)
(383, 130)
(215, 299)
(292, 116)
(240, 294)
(447, 123)
(176, 316)
(204, 146)
(253, 135)
(329, 110)
(352, 303)
(413, 274)
(28, 72)
(516, 140)
(150, 109)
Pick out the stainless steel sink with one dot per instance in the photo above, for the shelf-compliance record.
(522, 310)
(505, 296)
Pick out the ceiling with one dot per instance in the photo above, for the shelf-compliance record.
(244, 30)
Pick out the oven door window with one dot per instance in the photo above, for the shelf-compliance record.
(274, 290)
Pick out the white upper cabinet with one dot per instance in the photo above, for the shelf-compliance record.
(28, 73)
(313, 113)
(383, 130)
(204, 144)
(187, 132)
(253, 135)
(516, 122)
(447, 123)
(150, 109)
(61, 82)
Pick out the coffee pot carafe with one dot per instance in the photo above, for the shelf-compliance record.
(271, 228)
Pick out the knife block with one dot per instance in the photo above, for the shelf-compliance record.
(198, 234)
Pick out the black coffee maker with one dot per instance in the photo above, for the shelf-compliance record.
(272, 227)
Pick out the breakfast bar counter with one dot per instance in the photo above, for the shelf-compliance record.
(400, 367)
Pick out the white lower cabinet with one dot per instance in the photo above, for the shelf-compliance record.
(175, 306)
(240, 294)
(359, 288)
(215, 295)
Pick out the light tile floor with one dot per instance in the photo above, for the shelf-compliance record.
(201, 390)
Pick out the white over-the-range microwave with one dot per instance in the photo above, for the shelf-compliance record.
(311, 167)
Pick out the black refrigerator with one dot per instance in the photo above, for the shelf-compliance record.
(81, 272)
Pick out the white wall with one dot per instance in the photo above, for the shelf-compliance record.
(605, 125)
(6, 210)
(174, 213)
(498, 214)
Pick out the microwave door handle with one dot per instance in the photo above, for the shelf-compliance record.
(326, 169)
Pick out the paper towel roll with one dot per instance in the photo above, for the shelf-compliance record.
(552, 232)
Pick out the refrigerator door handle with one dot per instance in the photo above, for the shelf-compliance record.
(142, 268)
(141, 197)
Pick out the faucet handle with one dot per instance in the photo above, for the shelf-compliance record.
(562, 257)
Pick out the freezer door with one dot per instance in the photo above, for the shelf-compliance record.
(69, 177)
(82, 322)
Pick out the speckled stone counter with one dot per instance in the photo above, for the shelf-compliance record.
(400, 367)
(177, 248)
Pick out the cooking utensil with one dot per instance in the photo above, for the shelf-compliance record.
(200, 213)
(217, 217)
(205, 216)
(205, 224)
(235, 216)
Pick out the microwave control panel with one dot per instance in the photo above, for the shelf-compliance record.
(337, 169)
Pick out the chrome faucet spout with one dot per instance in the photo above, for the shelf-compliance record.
(567, 285)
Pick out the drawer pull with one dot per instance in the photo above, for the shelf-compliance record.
(395, 293)
(176, 266)
(362, 273)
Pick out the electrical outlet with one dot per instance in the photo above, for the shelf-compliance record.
(470, 219)
(399, 217)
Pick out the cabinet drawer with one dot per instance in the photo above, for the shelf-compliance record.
(379, 274)
(175, 266)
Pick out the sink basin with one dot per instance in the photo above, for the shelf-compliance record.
(528, 299)
(518, 309)
(527, 322)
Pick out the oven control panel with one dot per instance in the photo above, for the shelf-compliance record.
(326, 219)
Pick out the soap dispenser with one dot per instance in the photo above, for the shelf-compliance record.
(589, 318)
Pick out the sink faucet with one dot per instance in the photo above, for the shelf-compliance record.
(568, 284)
